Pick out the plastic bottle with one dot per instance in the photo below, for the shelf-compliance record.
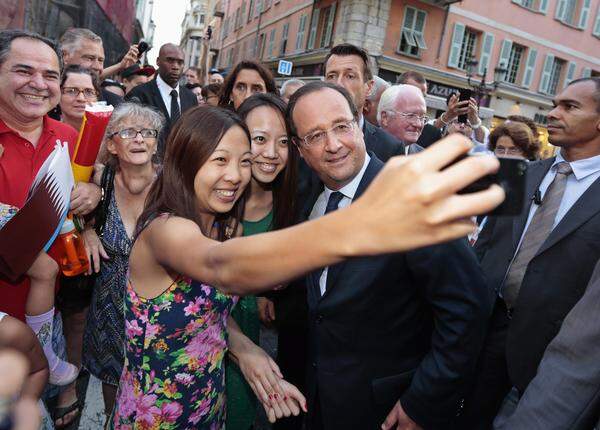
(73, 260)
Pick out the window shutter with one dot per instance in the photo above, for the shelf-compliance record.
(457, 40)
(505, 53)
(486, 52)
(420, 21)
(529, 68)
(586, 73)
(585, 13)
(560, 9)
(543, 6)
(300, 34)
(329, 25)
(419, 29)
(409, 18)
(546, 72)
(570, 73)
(313, 28)
(596, 30)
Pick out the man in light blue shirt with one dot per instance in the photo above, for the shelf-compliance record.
(538, 264)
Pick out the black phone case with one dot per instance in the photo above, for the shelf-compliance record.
(511, 176)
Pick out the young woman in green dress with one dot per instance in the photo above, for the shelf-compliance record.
(269, 206)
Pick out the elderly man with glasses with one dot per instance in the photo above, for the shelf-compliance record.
(402, 113)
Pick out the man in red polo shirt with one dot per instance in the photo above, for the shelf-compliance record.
(30, 69)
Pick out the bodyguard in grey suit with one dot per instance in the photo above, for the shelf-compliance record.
(402, 113)
(565, 393)
(539, 264)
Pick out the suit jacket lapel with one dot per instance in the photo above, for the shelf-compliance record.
(333, 273)
(158, 100)
(587, 206)
(535, 175)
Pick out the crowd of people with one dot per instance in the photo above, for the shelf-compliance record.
(329, 210)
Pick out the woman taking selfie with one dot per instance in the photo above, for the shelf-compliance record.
(184, 268)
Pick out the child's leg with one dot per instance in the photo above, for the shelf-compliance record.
(16, 335)
(42, 275)
(40, 316)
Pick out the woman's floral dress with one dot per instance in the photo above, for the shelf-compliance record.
(173, 376)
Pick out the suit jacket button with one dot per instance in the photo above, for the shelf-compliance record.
(314, 364)
(319, 319)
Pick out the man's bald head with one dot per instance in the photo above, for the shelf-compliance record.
(401, 112)
(170, 63)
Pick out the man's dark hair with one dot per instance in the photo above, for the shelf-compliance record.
(7, 37)
(596, 95)
(312, 88)
(112, 83)
(411, 75)
(345, 49)
(213, 88)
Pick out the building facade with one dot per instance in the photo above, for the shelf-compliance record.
(144, 25)
(195, 27)
(112, 20)
(540, 44)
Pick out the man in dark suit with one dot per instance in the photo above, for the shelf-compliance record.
(348, 66)
(539, 263)
(392, 336)
(164, 92)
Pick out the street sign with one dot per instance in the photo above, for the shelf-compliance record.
(284, 68)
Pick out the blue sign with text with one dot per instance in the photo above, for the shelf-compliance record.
(285, 67)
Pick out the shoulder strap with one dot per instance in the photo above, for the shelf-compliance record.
(107, 185)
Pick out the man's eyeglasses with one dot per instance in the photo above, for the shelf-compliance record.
(412, 117)
(131, 133)
(88, 93)
(319, 137)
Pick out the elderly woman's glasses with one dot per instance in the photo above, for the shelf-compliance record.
(88, 93)
(131, 133)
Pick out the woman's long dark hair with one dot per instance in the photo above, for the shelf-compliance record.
(264, 73)
(284, 185)
(189, 145)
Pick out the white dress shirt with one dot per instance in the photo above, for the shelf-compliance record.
(585, 173)
(165, 92)
(318, 209)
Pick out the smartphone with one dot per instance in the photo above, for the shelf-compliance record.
(464, 95)
(142, 47)
(511, 176)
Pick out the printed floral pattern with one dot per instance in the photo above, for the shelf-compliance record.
(173, 376)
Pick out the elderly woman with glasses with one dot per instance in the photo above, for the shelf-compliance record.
(79, 88)
(127, 155)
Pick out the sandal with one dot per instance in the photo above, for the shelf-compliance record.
(61, 413)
